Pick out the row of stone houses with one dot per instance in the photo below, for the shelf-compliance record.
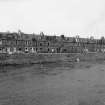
(32, 43)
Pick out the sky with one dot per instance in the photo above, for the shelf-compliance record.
(54, 17)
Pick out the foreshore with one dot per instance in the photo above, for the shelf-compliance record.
(64, 82)
(23, 59)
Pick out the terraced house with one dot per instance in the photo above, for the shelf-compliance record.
(32, 43)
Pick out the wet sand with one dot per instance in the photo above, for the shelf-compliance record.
(53, 84)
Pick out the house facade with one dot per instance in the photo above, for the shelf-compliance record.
(31, 43)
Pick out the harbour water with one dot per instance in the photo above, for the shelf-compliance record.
(53, 84)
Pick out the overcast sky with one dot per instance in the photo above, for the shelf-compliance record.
(70, 17)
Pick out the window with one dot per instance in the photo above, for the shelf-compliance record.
(16, 42)
(40, 48)
(26, 42)
(26, 49)
(52, 50)
(64, 50)
(48, 43)
(48, 49)
(40, 44)
(36, 49)
(0, 42)
(29, 42)
(20, 49)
